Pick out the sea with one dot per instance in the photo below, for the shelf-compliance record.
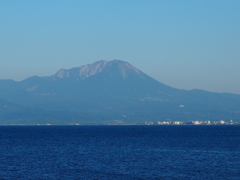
(120, 152)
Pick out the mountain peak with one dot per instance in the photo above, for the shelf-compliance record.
(82, 72)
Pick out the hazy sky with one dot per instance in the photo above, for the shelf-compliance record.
(183, 43)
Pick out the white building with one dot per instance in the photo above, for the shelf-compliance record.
(222, 122)
(197, 122)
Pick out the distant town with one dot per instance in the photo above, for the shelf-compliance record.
(120, 122)
(169, 122)
(221, 122)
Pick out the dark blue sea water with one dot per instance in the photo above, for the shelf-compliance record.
(120, 152)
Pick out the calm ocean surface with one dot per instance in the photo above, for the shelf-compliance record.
(120, 152)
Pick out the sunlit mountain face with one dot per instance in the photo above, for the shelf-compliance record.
(111, 90)
(122, 68)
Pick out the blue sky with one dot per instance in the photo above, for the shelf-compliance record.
(184, 44)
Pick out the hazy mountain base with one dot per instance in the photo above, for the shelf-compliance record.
(108, 92)
(126, 114)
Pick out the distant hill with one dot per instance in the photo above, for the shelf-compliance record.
(107, 92)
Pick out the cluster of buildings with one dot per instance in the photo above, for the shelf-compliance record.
(221, 122)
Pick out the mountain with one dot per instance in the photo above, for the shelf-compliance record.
(112, 91)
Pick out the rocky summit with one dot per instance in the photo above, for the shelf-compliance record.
(83, 72)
